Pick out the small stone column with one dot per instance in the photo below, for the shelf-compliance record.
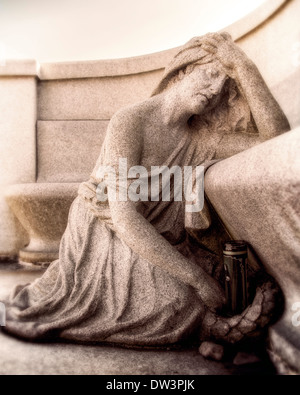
(18, 115)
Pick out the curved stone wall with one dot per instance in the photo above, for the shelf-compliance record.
(91, 92)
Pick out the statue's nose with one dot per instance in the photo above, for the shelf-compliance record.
(214, 89)
(216, 86)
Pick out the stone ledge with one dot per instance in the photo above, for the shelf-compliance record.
(19, 68)
(106, 68)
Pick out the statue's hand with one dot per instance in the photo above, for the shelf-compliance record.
(249, 324)
(226, 51)
(212, 295)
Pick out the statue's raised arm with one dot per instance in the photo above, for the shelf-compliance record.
(269, 118)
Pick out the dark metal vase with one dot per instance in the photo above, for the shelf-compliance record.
(235, 255)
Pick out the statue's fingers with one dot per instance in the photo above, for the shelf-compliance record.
(216, 36)
(209, 48)
(226, 36)
(210, 41)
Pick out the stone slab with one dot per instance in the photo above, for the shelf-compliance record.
(256, 195)
(19, 358)
(23, 358)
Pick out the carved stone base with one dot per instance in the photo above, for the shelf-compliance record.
(37, 258)
(43, 211)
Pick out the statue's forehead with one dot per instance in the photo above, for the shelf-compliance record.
(209, 68)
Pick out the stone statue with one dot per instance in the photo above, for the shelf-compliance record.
(128, 271)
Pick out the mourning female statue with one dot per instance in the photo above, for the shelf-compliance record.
(128, 272)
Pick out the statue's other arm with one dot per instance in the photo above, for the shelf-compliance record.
(267, 114)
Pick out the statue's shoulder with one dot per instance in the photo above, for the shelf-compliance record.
(126, 128)
(128, 119)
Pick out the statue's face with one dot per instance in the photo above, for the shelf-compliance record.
(203, 87)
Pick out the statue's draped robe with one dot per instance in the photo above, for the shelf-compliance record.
(99, 289)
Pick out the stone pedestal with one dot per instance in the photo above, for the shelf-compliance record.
(256, 194)
(18, 103)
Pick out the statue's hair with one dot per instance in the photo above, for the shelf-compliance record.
(180, 74)
(232, 114)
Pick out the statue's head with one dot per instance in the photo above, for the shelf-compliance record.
(203, 85)
(200, 76)
(190, 57)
